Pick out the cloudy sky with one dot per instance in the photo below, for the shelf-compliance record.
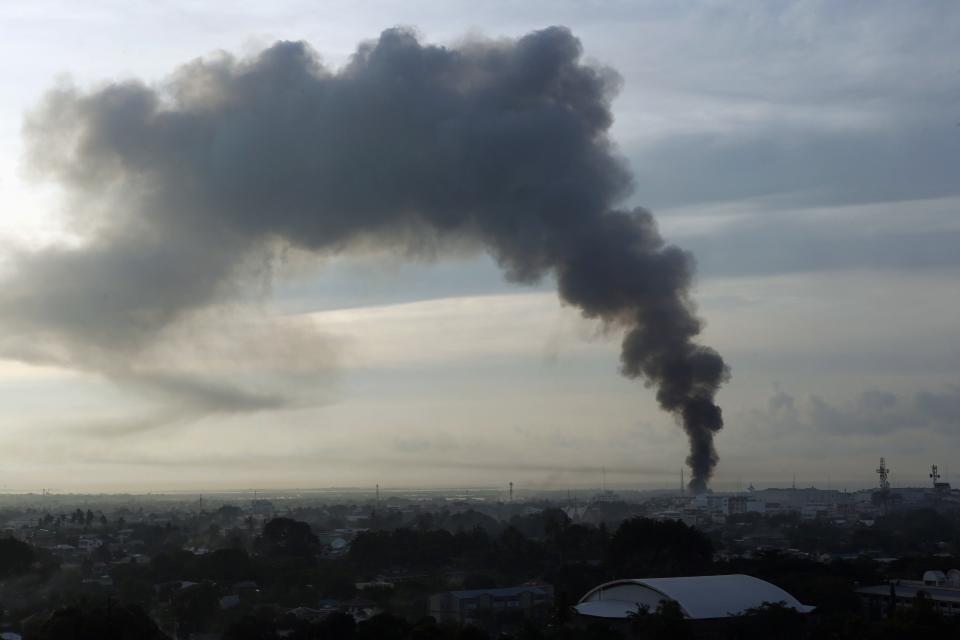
(807, 154)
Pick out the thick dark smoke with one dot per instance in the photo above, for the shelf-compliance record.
(182, 190)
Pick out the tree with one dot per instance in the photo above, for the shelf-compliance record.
(769, 620)
(424, 522)
(336, 626)
(195, 606)
(112, 622)
(545, 524)
(287, 537)
(649, 548)
(16, 557)
(667, 622)
(251, 628)
(228, 513)
(383, 627)
(516, 554)
(226, 565)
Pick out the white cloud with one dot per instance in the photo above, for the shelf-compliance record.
(460, 329)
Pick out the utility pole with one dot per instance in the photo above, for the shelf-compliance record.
(511, 493)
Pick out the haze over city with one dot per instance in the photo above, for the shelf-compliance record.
(805, 154)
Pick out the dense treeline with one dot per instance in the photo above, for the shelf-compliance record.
(767, 622)
(901, 533)
(280, 567)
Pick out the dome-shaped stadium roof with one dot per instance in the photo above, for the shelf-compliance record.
(700, 597)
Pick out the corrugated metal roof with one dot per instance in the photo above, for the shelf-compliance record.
(700, 597)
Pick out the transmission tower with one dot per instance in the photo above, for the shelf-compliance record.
(934, 475)
(884, 472)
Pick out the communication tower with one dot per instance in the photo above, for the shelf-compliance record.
(884, 472)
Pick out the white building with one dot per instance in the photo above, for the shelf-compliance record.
(699, 597)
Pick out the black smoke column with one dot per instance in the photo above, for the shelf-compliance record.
(501, 144)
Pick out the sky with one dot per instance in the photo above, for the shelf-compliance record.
(806, 153)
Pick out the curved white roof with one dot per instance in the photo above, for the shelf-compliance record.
(607, 608)
(699, 597)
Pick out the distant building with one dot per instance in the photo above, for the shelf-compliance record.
(817, 511)
(607, 496)
(89, 545)
(361, 610)
(378, 582)
(689, 519)
(941, 589)
(261, 507)
(576, 512)
(737, 504)
(492, 608)
(308, 614)
(729, 504)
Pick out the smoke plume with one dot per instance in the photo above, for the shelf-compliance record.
(185, 191)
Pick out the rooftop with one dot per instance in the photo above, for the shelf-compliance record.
(700, 597)
(943, 594)
(504, 592)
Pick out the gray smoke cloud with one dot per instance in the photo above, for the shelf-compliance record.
(186, 190)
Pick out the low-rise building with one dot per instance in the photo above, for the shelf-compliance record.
(941, 591)
(489, 607)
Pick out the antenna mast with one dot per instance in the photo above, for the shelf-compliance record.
(884, 472)
(937, 487)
